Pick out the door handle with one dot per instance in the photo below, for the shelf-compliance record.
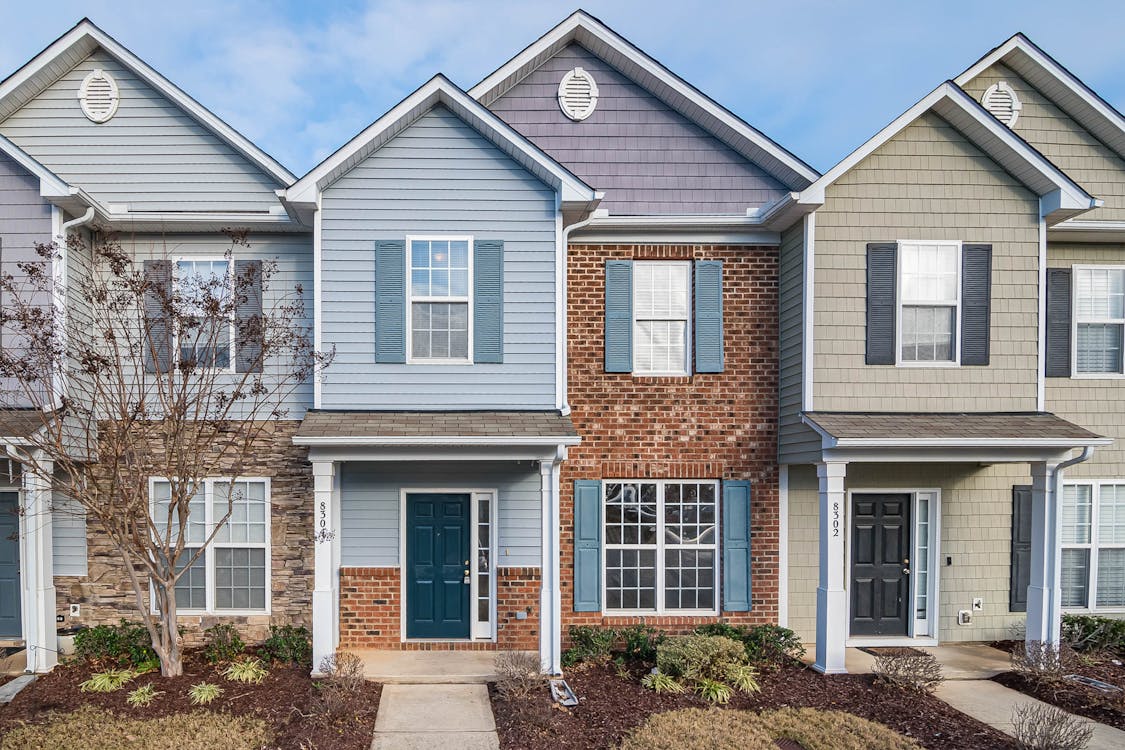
(906, 571)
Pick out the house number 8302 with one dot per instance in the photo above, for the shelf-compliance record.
(835, 519)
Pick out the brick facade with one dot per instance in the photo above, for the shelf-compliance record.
(701, 426)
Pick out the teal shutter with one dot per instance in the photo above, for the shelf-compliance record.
(587, 545)
(736, 546)
(488, 301)
(619, 316)
(708, 316)
(390, 301)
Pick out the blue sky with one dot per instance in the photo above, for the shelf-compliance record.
(302, 77)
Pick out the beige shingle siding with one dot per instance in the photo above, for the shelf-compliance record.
(1084, 158)
(926, 183)
(796, 442)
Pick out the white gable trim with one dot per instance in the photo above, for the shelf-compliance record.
(75, 45)
(681, 96)
(440, 90)
(50, 184)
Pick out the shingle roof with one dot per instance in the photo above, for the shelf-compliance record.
(431, 424)
(19, 422)
(966, 426)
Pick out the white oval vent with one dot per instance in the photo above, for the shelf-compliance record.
(1002, 102)
(578, 94)
(98, 95)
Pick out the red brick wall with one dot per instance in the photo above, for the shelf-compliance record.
(714, 426)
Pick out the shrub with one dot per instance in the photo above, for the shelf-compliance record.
(773, 643)
(126, 643)
(1040, 726)
(143, 696)
(709, 664)
(223, 643)
(344, 670)
(519, 675)
(1086, 633)
(815, 729)
(713, 691)
(918, 671)
(1042, 662)
(249, 671)
(204, 693)
(590, 644)
(107, 681)
(661, 683)
(290, 644)
(641, 642)
(725, 629)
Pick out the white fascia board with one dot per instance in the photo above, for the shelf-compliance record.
(436, 440)
(1073, 230)
(50, 184)
(739, 230)
(590, 32)
(971, 442)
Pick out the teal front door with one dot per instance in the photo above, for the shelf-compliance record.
(11, 624)
(437, 561)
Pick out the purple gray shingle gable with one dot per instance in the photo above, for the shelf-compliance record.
(966, 426)
(407, 424)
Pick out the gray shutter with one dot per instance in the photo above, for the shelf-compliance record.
(390, 301)
(1021, 548)
(158, 288)
(488, 301)
(587, 545)
(1058, 323)
(619, 316)
(248, 322)
(708, 316)
(881, 312)
(736, 546)
(976, 303)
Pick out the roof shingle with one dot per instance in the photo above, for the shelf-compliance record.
(422, 424)
(966, 426)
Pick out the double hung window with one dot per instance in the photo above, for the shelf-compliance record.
(661, 316)
(440, 299)
(929, 301)
(1093, 541)
(206, 339)
(1099, 313)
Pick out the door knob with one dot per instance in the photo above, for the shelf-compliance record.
(906, 571)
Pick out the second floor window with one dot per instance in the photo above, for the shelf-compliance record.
(207, 342)
(928, 290)
(1099, 307)
(661, 312)
(439, 299)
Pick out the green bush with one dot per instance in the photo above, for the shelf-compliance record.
(590, 644)
(725, 629)
(125, 644)
(641, 642)
(287, 643)
(223, 643)
(770, 644)
(709, 664)
(1086, 633)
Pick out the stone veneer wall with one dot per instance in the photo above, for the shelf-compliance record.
(107, 596)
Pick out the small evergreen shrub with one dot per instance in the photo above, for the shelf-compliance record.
(590, 644)
(641, 642)
(124, 644)
(773, 643)
(1087, 633)
(204, 693)
(708, 664)
(290, 644)
(222, 643)
(249, 671)
(143, 696)
(107, 681)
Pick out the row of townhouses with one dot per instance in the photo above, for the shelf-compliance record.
(637, 360)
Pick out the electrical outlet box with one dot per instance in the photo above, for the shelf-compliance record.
(75, 610)
(964, 617)
(978, 604)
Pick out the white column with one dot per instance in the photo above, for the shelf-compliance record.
(548, 567)
(1044, 592)
(38, 572)
(831, 598)
(325, 622)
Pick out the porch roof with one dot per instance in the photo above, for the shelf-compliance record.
(16, 424)
(447, 428)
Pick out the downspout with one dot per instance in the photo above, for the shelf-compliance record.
(58, 385)
(81, 221)
(1056, 584)
(565, 410)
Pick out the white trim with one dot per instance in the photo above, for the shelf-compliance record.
(783, 545)
(688, 319)
(318, 302)
(232, 365)
(1074, 322)
(50, 184)
(1093, 546)
(808, 295)
(1041, 301)
(431, 440)
(450, 299)
(899, 304)
(562, 400)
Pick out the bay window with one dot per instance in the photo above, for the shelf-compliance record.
(1093, 545)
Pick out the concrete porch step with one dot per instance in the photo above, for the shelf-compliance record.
(428, 667)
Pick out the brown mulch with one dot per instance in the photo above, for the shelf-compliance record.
(1107, 708)
(612, 705)
(285, 700)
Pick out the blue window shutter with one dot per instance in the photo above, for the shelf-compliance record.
(708, 316)
(488, 301)
(390, 301)
(881, 311)
(976, 303)
(619, 316)
(736, 546)
(587, 545)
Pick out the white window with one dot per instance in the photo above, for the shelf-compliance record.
(661, 546)
(232, 574)
(929, 301)
(207, 342)
(440, 307)
(1099, 315)
(1093, 541)
(661, 312)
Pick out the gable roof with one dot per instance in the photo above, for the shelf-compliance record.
(1059, 85)
(76, 45)
(440, 90)
(50, 184)
(589, 32)
(1060, 196)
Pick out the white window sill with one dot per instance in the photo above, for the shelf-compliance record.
(218, 612)
(936, 365)
(654, 613)
(442, 362)
(680, 374)
(1098, 376)
(1094, 612)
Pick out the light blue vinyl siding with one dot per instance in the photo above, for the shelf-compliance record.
(370, 503)
(439, 176)
(68, 537)
(151, 155)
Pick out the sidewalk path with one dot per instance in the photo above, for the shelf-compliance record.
(420, 717)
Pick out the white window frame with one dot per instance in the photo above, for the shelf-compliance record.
(686, 369)
(1074, 373)
(410, 300)
(231, 326)
(659, 548)
(1093, 546)
(899, 304)
(209, 557)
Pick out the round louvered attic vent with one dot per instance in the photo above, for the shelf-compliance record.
(98, 95)
(1002, 102)
(578, 94)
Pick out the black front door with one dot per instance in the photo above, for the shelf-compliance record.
(437, 565)
(11, 622)
(880, 584)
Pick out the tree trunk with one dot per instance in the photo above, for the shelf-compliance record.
(166, 639)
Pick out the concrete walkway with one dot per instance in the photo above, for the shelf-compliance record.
(422, 667)
(420, 717)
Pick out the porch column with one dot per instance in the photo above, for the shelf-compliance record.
(1044, 592)
(550, 596)
(831, 598)
(38, 577)
(325, 619)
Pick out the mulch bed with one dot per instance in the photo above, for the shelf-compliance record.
(1107, 708)
(612, 705)
(285, 700)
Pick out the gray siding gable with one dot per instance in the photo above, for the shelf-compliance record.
(152, 155)
(647, 158)
(439, 176)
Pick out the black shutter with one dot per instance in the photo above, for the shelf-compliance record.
(881, 278)
(158, 341)
(1058, 323)
(976, 303)
(1021, 548)
(249, 325)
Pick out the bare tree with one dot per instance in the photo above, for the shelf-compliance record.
(142, 368)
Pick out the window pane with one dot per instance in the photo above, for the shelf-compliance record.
(660, 290)
(927, 333)
(240, 578)
(195, 529)
(247, 505)
(689, 514)
(689, 579)
(1099, 347)
(204, 337)
(1100, 293)
(1076, 508)
(1111, 578)
(1111, 514)
(439, 330)
(630, 579)
(660, 346)
(1075, 577)
(929, 273)
(630, 513)
(191, 588)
